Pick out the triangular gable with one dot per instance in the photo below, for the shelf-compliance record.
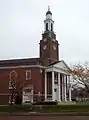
(61, 64)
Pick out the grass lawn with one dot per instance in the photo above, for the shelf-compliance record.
(72, 108)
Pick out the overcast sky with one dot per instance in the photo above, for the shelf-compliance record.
(21, 26)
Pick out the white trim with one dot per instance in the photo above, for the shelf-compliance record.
(27, 96)
(62, 61)
(69, 88)
(4, 93)
(22, 66)
(56, 69)
(28, 72)
(65, 87)
(59, 88)
(53, 97)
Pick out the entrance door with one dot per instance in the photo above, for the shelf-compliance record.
(27, 95)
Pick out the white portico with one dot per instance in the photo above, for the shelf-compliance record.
(57, 82)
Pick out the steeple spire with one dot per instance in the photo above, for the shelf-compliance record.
(48, 8)
(49, 25)
(48, 12)
(48, 21)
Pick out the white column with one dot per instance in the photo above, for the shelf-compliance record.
(69, 94)
(53, 96)
(69, 88)
(23, 97)
(32, 93)
(59, 93)
(62, 87)
(45, 86)
(65, 87)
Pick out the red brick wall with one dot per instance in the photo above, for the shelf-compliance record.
(4, 86)
(49, 83)
(37, 80)
(49, 55)
(4, 99)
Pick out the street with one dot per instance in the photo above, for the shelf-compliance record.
(44, 117)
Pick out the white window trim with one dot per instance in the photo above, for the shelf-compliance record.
(28, 71)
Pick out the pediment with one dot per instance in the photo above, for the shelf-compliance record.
(62, 65)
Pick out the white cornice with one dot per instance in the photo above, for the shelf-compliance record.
(21, 66)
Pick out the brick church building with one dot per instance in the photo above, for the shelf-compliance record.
(37, 79)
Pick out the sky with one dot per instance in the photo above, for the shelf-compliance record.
(22, 23)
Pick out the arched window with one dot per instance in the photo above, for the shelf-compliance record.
(51, 27)
(46, 26)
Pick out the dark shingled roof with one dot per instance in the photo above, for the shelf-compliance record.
(17, 62)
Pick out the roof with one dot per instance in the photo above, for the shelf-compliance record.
(54, 63)
(17, 62)
(59, 62)
(48, 12)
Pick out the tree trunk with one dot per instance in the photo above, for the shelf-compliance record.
(11, 101)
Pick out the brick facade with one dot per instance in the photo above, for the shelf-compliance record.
(35, 65)
(37, 80)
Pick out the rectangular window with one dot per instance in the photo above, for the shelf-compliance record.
(28, 74)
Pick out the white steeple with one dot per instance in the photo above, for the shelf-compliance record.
(48, 8)
(48, 23)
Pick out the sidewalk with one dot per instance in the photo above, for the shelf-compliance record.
(46, 114)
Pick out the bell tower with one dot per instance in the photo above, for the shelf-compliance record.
(49, 47)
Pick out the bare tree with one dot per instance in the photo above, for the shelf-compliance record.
(15, 88)
(18, 95)
(80, 73)
(12, 86)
